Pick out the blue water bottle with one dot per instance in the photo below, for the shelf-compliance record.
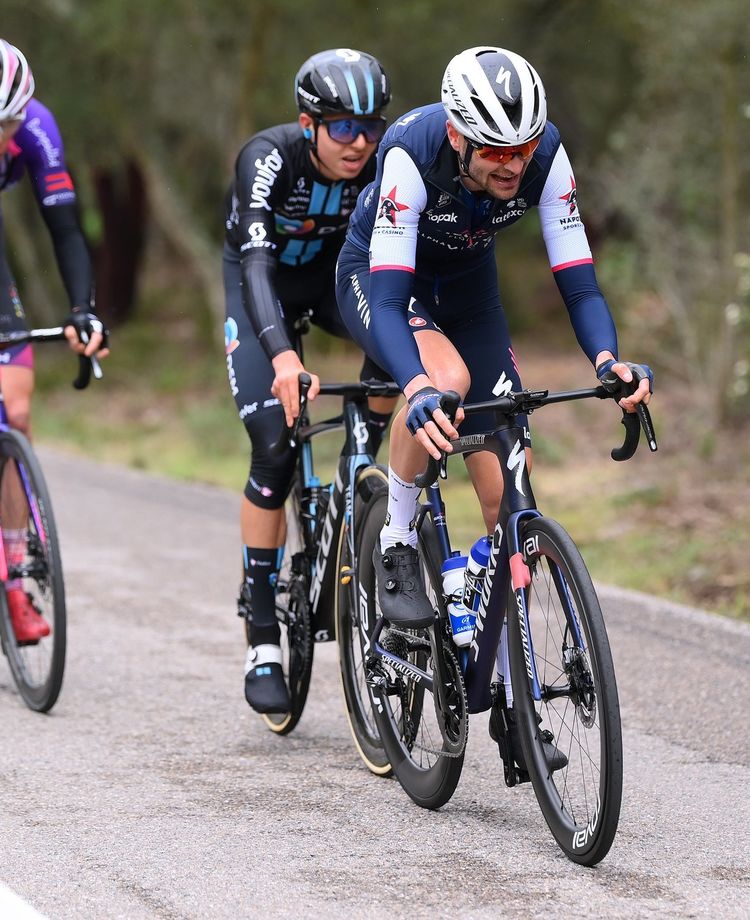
(462, 620)
(476, 569)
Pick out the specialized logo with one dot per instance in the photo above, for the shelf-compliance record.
(521, 611)
(390, 206)
(503, 386)
(230, 336)
(403, 667)
(267, 171)
(570, 197)
(497, 539)
(503, 78)
(409, 118)
(517, 462)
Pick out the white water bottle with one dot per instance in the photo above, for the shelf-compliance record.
(476, 569)
(462, 620)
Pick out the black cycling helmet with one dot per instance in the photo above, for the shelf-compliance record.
(341, 82)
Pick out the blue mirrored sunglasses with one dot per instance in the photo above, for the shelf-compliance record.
(347, 130)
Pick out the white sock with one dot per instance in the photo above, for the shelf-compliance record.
(263, 654)
(402, 510)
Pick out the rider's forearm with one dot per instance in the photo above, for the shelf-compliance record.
(588, 310)
(261, 303)
(390, 292)
(71, 253)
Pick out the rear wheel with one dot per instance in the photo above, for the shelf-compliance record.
(293, 614)
(423, 725)
(579, 706)
(32, 555)
(356, 614)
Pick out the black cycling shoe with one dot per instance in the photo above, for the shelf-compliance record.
(401, 593)
(555, 758)
(265, 687)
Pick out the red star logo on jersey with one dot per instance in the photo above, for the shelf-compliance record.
(570, 197)
(389, 206)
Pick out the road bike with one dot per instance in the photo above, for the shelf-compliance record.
(30, 549)
(539, 658)
(318, 552)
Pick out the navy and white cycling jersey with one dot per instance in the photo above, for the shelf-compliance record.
(417, 219)
(282, 215)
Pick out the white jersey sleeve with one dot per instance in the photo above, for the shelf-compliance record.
(562, 227)
(403, 197)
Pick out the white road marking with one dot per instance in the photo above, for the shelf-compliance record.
(14, 908)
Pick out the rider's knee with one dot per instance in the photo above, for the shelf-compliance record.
(18, 412)
(452, 378)
(270, 477)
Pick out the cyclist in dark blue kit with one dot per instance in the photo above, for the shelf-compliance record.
(294, 188)
(30, 142)
(418, 289)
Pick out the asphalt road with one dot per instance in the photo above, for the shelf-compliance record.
(151, 791)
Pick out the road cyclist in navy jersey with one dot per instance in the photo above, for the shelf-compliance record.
(417, 282)
(294, 188)
(30, 142)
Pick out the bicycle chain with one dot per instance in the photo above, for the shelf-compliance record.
(457, 672)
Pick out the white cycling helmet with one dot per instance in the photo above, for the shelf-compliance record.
(493, 96)
(16, 82)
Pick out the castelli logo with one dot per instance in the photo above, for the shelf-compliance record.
(417, 321)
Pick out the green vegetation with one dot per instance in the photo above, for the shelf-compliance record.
(653, 103)
(164, 406)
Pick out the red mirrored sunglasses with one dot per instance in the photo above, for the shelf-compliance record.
(505, 154)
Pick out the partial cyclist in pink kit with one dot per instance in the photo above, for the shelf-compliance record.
(30, 141)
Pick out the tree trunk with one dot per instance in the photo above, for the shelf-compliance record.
(123, 206)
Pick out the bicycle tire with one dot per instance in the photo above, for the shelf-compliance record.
(295, 622)
(580, 802)
(352, 604)
(424, 740)
(25, 505)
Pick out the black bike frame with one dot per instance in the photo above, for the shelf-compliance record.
(341, 506)
(506, 564)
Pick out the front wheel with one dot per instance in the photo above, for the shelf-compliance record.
(34, 574)
(578, 710)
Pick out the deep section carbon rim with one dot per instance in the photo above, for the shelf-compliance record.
(579, 710)
(355, 617)
(293, 613)
(424, 732)
(32, 554)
